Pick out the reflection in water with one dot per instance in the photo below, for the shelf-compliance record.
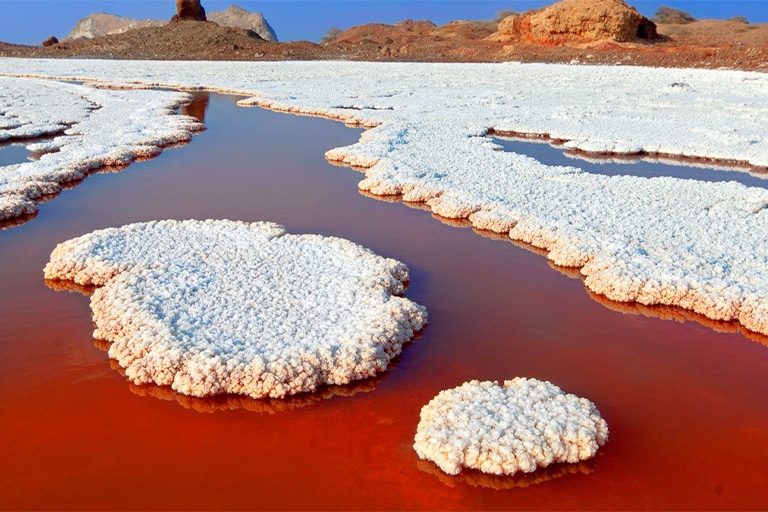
(551, 153)
(571, 272)
(11, 154)
(198, 106)
(240, 402)
(500, 482)
(262, 406)
(16, 221)
(69, 286)
(677, 314)
(14, 153)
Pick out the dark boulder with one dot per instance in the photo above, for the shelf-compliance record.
(51, 41)
(647, 30)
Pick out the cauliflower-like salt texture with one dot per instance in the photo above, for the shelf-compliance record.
(520, 426)
(213, 307)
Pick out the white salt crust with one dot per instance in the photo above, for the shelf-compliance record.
(214, 307)
(521, 425)
(91, 128)
(699, 246)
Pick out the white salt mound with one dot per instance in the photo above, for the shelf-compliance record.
(212, 307)
(520, 426)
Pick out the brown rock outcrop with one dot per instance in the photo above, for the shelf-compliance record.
(189, 10)
(51, 41)
(577, 21)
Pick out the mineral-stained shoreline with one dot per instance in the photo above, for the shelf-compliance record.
(85, 129)
(700, 246)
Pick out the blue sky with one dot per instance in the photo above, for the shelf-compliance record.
(32, 21)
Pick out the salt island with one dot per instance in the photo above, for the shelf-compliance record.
(224, 307)
(520, 425)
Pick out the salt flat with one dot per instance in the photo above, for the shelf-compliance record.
(700, 246)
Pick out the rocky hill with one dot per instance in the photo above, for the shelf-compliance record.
(102, 24)
(238, 17)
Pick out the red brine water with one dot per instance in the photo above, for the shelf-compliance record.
(686, 404)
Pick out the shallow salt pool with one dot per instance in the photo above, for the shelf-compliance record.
(684, 401)
(13, 154)
(644, 167)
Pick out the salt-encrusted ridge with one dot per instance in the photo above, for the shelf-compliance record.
(92, 128)
(216, 307)
(521, 425)
(655, 241)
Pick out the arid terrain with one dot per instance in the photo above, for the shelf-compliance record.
(701, 44)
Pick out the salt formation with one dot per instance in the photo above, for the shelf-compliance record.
(521, 425)
(215, 307)
(699, 246)
(91, 129)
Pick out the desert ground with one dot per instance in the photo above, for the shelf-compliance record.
(701, 44)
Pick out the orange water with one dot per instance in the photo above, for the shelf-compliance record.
(687, 406)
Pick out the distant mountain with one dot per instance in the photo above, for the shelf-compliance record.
(238, 17)
(102, 24)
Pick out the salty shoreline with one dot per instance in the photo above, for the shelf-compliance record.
(696, 245)
(75, 131)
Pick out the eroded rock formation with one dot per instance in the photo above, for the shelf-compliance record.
(577, 21)
(189, 10)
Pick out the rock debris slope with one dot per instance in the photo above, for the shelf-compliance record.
(521, 425)
(668, 241)
(224, 307)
